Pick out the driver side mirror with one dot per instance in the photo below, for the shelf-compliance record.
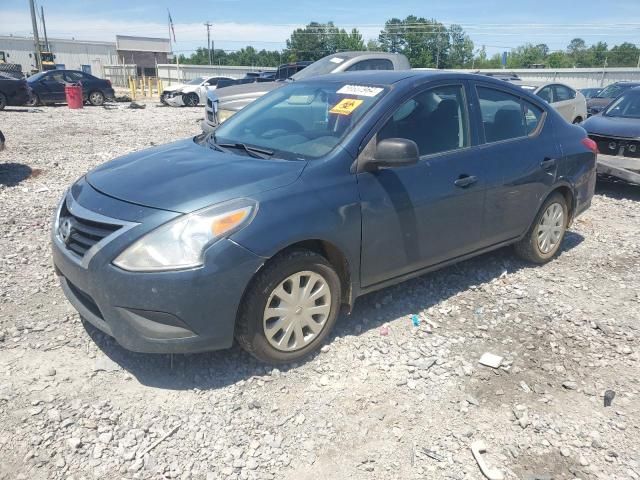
(393, 152)
(206, 84)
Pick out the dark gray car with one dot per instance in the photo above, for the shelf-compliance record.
(315, 194)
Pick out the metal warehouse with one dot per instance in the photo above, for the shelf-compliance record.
(89, 56)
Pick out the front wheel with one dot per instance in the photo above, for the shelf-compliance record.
(543, 240)
(33, 101)
(3, 101)
(191, 100)
(290, 307)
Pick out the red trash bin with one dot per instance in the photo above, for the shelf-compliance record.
(73, 93)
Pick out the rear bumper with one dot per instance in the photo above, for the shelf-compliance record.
(162, 312)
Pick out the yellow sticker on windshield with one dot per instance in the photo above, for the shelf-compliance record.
(346, 106)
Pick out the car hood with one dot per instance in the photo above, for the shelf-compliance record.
(184, 176)
(240, 95)
(598, 102)
(174, 87)
(613, 126)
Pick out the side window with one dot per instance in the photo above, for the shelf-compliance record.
(563, 93)
(56, 77)
(74, 77)
(545, 94)
(532, 116)
(502, 115)
(435, 119)
(373, 64)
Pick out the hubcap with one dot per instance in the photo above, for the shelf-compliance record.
(297, 311)
(96, 97)
(550, 228)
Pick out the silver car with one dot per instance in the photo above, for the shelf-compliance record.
(223, 103)
(570, 103)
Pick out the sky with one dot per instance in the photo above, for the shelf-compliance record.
(497, 24)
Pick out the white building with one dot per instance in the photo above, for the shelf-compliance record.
(89, 56)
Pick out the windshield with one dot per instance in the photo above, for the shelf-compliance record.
(612, 91)
(300, 121)
(196, 81)
(36, 77)
(321, 67)
(627, 106)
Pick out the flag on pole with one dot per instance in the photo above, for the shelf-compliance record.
(171, 25)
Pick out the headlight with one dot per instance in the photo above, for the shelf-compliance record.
(225, 115)
(181, 243)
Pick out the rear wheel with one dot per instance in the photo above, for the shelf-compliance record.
(3, 101)
(290, 307)
(96, 98)
(191, 99)
(545, 236)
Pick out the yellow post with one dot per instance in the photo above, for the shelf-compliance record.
(150, 89)
(160, 87)
(132, 88)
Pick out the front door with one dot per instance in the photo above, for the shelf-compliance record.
(53, 87)
(421, 215)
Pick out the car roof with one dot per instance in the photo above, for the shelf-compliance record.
(389, 77)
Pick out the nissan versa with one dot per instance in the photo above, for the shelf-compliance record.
(315, 194)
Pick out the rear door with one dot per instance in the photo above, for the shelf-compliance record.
(421, 215)
(519, 157)
(564, 102)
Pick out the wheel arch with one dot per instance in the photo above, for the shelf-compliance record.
(332, 253)
(566, 190)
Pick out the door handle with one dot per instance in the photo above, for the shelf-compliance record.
(465, 181)
(548, 163)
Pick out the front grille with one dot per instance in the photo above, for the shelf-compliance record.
(621, 147)
(209, 103)
(209, 116)
(82, 233)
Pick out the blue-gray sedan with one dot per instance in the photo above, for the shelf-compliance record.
(317, 193)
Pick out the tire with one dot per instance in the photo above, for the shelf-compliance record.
(96, 98)
(33, 101)
(191, 100)
(253, 321)
(3, 101)
(532, 247)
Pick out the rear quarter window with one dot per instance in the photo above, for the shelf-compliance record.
(506, 116)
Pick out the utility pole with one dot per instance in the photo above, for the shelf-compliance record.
(36, 39)
(208, 25)
(44, 29)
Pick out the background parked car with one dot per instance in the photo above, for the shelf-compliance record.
(284, 72)
(191, 93)
(228, 101)
(590, 92)
(13, 91)
(617, 132)
(570, 103)
(607, 95)
(48, 87)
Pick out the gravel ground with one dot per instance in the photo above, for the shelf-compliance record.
(383, 400)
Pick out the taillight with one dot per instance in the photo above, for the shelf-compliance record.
(109, 83)
(590, 144)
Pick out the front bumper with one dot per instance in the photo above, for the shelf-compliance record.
(162, 312)
(175, 101)
(625, 168)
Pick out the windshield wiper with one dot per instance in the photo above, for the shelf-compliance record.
(252, 151)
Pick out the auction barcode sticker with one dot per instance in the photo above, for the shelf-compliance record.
(360, 90)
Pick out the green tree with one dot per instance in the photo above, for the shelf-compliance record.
(317, 40)
(461, 53)
(624, 55)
